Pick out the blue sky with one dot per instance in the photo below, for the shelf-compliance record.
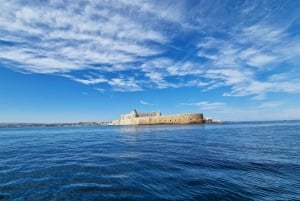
(66, 61)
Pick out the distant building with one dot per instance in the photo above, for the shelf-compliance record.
(153, 118)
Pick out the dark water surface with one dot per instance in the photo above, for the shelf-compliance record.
(237, 161)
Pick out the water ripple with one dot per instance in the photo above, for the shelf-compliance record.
(238, 161)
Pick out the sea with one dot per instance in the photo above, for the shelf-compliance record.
(229, 161)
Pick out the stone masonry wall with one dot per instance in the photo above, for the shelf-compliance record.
(169, 119)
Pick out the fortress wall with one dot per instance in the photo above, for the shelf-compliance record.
(181, 119)
(130, 121)
(134, 118)
(171, 119)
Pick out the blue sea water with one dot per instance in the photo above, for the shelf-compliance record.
(232, 161)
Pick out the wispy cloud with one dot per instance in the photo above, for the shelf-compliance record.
(262, 46)
(120, 84)
(269, 105)
(207, 106)
(260, 60)
(142, 102)
(100, 90)
(135, 45)
(91, 81)
(101, 34)
(259, 111)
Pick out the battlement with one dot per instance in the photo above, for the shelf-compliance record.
(150, 114)
(135, 114)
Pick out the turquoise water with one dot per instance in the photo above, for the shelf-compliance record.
(233, 161)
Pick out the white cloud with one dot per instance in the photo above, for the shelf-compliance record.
(262, 33)
(34, 61)
(260, 60)
(184, 68)
(158, 79)
(259, 97)
(100, 90)
(71, 41)
(229, 76)
(167, 11)
(206, 55)
(142, 102)
(269, 105)
(259, 89)
(205, 105)
(269, 110)
(91, 81)
(120, 84)
(261, 45)
(143, 39)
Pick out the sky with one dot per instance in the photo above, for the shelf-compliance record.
(70, 61)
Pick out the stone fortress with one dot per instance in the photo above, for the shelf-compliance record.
(154, 118)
